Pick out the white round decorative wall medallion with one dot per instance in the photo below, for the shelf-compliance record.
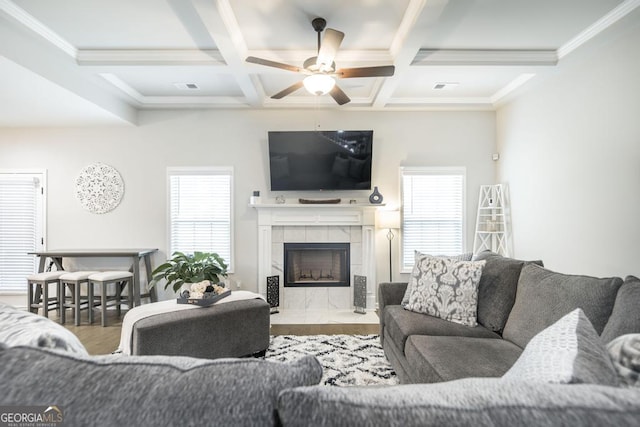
(99, 188)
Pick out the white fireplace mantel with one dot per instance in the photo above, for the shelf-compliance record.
(317, 215)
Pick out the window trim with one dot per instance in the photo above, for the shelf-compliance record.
(203, 170)
(42, 246)
(431, 170)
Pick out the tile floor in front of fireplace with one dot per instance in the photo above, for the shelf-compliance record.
(315, 317)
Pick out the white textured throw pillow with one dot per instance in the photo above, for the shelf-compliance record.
(447, 289)
(567, 352)
(415, 273)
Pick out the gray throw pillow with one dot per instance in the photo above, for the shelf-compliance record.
(415, 273)
(447, 289)
(625, 318)
(151, 390)
(544, 296)
(18, 327)
(497, 288)
(625, 355)
(567, 352)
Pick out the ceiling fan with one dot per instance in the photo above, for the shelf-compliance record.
(321, 69)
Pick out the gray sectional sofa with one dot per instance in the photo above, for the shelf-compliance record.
(516, 300)
(41, 363)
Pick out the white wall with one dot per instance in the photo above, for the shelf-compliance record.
(570, 153)
(239, 138)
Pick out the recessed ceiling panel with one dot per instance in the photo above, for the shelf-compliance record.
(277, 24)
(171, 81)
(508, 24)
(122, 24)
(483, 82)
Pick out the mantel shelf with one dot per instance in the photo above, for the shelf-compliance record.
(315, 205)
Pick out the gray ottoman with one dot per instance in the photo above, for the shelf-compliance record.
(234, 329)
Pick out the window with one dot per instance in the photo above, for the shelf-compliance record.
(200, 211)
(21, 227)
(433, 212)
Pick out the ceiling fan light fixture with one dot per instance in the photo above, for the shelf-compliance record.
(319, 84)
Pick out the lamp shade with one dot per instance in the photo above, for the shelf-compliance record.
(319, 84)
(389, 219)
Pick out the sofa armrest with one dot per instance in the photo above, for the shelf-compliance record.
(389, 293)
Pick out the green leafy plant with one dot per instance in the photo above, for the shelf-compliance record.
(182, 268)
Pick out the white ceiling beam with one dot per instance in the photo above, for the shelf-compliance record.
(471, 57)
(218, 20)
(146, 57)
(404, 46)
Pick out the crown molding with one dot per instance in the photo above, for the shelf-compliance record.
(600, 25)
(37, 27)
(484, 57)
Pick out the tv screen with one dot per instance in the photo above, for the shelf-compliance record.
(320, 160)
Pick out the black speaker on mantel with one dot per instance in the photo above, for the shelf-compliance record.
(273, 293)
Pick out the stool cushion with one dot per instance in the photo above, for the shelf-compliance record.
(18, 327)
(110, 275)
(46, 275)
(77, 275)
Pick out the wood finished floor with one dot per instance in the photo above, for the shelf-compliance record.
(99, 340)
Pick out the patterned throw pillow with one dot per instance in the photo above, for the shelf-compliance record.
(625, 355)
(415, 274)
(18, 328)
(567, 352)
(447, 289)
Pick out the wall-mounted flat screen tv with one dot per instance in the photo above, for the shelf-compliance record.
(320, 160)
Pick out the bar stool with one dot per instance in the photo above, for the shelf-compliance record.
(120, 279)
(74, 281)
(38, 291)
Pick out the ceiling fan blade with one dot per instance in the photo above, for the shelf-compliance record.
(274, 64)
(294, 87)
(339, 96)
(382, 71)
(329, 47)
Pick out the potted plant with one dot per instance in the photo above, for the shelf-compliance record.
(183, 268)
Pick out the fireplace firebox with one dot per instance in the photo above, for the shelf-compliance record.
(316, 264)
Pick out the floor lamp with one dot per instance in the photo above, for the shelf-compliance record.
(389, 220)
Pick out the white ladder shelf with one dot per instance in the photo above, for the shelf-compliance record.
(491, 223)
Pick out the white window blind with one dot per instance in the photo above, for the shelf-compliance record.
(433, 219)
(200, 211)
(21, 226)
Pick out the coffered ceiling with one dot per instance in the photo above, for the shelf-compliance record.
(104, 60)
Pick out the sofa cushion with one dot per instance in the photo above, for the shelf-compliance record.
(401, 324)
(436, 359)
(448, 289)
(625, 355)
(19, 327)
(419, 259)
(625, 318)
(151, 390)
(567, 352)
(497, 288)
(468, 402)
(544, 296)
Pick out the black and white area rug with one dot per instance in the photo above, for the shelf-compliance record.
(347, 360)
